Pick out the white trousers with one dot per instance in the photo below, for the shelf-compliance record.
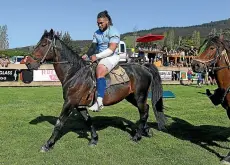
(110, 62)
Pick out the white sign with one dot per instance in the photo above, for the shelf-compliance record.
(45, 75)
(166, 75)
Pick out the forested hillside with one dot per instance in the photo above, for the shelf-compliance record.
(174, 37)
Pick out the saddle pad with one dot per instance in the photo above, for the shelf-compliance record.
(116, 76)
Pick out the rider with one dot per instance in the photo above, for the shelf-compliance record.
(105, 43)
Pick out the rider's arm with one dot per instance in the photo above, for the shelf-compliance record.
(107, 52)
(92, 49)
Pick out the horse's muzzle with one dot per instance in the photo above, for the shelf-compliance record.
(198, 67)
(33, 66)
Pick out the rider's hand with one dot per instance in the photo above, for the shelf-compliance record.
(93, 58)
(84, 57)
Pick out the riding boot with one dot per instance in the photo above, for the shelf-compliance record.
(97, 106)
(101, 86)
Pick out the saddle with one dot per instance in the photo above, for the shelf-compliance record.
(116, 76)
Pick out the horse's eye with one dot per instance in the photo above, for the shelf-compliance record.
(44, 44)
(212, 48)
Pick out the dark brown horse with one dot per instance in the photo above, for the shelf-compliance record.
(214, 55)
(77, 79)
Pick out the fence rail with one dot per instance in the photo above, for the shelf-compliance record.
(45, 76)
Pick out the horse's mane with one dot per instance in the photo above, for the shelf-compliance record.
(217, 41)
(76, 63)
(66, 53)
(226, 44)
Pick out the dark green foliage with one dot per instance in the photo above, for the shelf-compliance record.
(11, 53)
(183, 36)
(189, 35)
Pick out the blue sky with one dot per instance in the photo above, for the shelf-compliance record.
(27, 19)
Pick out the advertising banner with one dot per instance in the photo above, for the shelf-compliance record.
(184, 75)
(45, 75)
(166, 75)
(8, 75)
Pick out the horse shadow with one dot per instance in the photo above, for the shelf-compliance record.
(76, 124)
(202, 93)
(205, 136)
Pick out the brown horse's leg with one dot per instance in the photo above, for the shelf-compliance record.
(226, 160)
(217, 97)
(88, 120)
(66, 110)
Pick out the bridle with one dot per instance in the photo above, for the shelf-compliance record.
(53, 46)
(211, 64)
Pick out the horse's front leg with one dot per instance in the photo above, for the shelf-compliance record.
(88, 120)
(66, 110)
(217, 97)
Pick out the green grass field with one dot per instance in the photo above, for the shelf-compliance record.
(198, 132)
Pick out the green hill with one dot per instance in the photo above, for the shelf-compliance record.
(203, 29)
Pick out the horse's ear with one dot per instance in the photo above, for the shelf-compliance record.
(221, 37)
(45, 31)
(51, 32)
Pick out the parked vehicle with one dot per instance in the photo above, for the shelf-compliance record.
(16, 59)
(122, 52)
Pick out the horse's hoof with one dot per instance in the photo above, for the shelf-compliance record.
(44, 149)
(208, 93)
(164, 130)
(226, 160)
(92, 143)
(148, 133)
(136, 138)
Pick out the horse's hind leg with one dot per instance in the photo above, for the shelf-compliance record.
(142, 129)
(66, 110)
(88, 120)
(143, 108)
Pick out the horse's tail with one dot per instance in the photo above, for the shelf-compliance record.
(157, 96)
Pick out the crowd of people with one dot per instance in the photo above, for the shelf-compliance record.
(156, 53)
(206, 78)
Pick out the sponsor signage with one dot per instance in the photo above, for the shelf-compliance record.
(45, 75)
(183, 75)
(166, 75)
(8, 75)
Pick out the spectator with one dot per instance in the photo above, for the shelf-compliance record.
(151, 57)
(189, 75)
(211, 77)
(199, 79)
(141, 51)
(141, 54)
(4, 61)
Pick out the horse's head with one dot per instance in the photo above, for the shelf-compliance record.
(210, 54)
(44, 50)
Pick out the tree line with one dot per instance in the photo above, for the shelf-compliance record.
(174, 37)
(4, 41)
(173, 41)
